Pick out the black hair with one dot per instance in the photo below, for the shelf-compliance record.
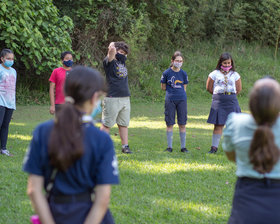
(223, 57)
(66, 139)
(63, 54)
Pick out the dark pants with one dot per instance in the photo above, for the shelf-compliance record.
(75, 213)
(5, 118)
(256, 202)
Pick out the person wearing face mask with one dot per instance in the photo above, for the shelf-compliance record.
(8, 76)
(71, 159)
(116, 105)
(57, 81)
(224, 83)
(174, 81)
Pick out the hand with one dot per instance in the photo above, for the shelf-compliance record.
(52, 109)
(111, 51)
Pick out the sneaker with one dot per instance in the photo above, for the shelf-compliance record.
(184, 150)
(6, 152)
(169, 149)
(213, 149)
(126, 149)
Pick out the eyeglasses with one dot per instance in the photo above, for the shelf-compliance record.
(178, 60)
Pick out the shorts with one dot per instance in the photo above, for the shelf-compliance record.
(116, 110)
(171, 106)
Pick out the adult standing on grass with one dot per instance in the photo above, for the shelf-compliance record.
(57, 80)
(8, 77)
(174, 81)
(224, 83)
(116, 106)
(69, 157)
(253, 143)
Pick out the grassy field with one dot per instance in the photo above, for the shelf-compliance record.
(156, 187)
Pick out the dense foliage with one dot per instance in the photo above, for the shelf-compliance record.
(39, 30)
(35, 32)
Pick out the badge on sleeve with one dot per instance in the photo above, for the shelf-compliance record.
(115, 166)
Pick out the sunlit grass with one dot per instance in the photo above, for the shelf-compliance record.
(21, 137)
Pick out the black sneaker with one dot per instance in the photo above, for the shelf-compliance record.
(169, 149)
(126, 149)
(213, 149)
(184, 150)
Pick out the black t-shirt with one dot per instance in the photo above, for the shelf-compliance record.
(116, 76)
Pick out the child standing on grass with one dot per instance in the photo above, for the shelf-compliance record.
(252, 141)
(69, 157)
(57, 80)
(174, 81)
(8, 77)
(224, 84)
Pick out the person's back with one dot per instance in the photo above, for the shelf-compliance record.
(253, 142)
(74, 156)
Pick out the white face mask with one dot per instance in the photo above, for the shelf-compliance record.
(177, 64)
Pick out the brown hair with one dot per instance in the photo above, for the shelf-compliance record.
(66, 138)
(223, 57)
(121, 45)
(265, 107)
(175, 55)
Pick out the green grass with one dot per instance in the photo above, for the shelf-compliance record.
(156, 187)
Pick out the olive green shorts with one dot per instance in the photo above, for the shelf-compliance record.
(116, 110)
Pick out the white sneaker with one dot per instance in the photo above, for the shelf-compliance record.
(6, 152)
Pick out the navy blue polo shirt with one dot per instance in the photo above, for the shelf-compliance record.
(175, 82)
(97, 166)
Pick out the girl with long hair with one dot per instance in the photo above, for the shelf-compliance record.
(72, 159)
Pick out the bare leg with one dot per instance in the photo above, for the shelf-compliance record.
(105, 128)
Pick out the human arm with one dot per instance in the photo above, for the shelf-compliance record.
(163, 86)
(238, 85)
(210, 85)
(100, 206)
(185, 87)
(39, 202)
(231, 156)
(111, 52)
(51, 92)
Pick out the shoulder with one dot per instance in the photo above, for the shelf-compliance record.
(236, 74)
(43, 128)
(167, 71)
(214, 73)
(100, 136)
(240, 120)
(107, 63)
(183, 72)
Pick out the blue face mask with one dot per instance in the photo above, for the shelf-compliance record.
(97, 109)
(9, 63)
(68, 63)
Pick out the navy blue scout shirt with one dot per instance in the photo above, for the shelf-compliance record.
(116, 77)
(97, 166)
(175, 82)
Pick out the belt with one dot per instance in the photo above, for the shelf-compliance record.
(63, 199)
(226, 93)
(262, 180)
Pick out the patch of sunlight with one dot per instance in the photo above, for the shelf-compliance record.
(147, 124)
(21, 137)
(18, 124)
(204, 126)
(155, 168)
(198, 117)
(185, 206)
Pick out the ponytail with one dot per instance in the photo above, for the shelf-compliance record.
(66, 138)
(263, 153)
